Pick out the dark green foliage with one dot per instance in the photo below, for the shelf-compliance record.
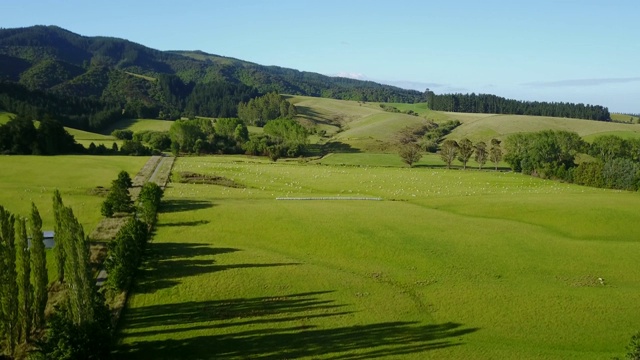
(122, 134)
(134, 148)
(393, 109)
(261, 110)
(25, 290)
(80, 284)
(67, 340)
(59, 248)
(20, 136)
(118, 200)
(125, 254)
(608, 147)
(217, 99)
(622, 174)
(39, 277)
(288, 136)
(589, 174)
(225, 136)
(546, 153)
(158, 140)
(491, 104)
(9, 328)
(87, 82)
(149, 202)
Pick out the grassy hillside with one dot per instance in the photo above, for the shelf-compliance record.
(500, 126)
(366, 127)
(138, 125)
(451, 264)
(625, 118)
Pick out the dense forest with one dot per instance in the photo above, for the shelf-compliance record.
(89, 82)
(492, 104)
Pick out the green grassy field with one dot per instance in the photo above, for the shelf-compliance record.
(625, 118)
(26, 179)
(452, 264)
(138, 125)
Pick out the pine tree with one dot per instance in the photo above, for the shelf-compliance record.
(58, 249)
(38, 268)
(8, 284)
(25, 291)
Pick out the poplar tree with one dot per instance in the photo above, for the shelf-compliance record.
(8, 284)
(25, 291)
(39, 275)
(58, 249)
(77, 268)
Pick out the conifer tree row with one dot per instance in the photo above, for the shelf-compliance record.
(39, 275)
(9, 333)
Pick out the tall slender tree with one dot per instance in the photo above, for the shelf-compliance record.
(39, 277)
(77, 268)
(8, 284)
(59, 248)
(25, 290)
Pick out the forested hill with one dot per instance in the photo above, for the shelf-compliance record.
(492, 104)
(111, 70)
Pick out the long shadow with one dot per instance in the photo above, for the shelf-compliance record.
(168, 263)
(170, 206)
(345, 343)
(339, 147)
(184, 223)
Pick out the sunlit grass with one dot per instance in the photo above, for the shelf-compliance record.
(508, 264)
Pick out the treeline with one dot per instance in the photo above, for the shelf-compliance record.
(20, 136)
(80, 326)
(492, 104)
(552, 154)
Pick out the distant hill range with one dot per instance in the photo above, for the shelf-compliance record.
(112, 71)
(91, 82)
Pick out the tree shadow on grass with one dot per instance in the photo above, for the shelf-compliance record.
(184, 223)
(168, 263)
(171, 206)
(266, 341)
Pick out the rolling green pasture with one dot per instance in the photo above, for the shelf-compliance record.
(138, 125)
(483, 127)
(451, 264)
(366, 127)
(26, 179)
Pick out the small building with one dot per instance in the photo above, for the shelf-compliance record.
(49, 241)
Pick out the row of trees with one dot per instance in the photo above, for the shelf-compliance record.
(224, 135)
(492, 104)
(125, 251)
(80, 327)
(465, 149)
(615, 161)
(23, 279)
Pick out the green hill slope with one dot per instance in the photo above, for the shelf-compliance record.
(368, 128)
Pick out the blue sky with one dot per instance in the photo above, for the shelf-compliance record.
(564, 50)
